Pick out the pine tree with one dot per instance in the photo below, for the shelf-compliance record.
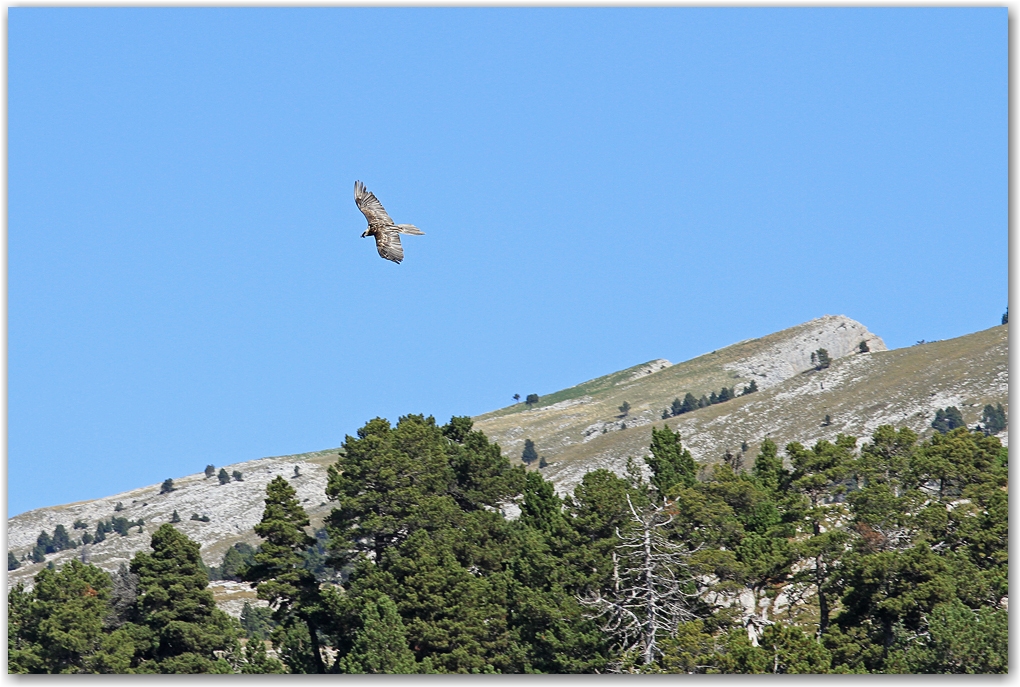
(1005, 316)
(724, 395)
(863, 348)
(380, 646)
(258, 662)
(768, 467)
(670, 462)
(278, 574)
(654, 589)
(210, 470)
(541, 507)
(61, 540)
(168, 486)
(750, 388)
(994, 419)
(58, 627)
(175, 517)
(531, 400)
(181, 630)
(624, 409)
(233, 565)
(677, 408)
(238, 476)
(530, 454)
(12, 561)
(223, 476)
(690, 403)
(947, 420)
(257, 621)
(821, 359)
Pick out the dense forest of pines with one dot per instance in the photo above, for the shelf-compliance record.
(887, 555)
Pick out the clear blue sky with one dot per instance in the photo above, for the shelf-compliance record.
(598, 188)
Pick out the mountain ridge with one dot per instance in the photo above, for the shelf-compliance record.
(859, 390)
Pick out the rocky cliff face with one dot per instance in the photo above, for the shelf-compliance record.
(790, 355)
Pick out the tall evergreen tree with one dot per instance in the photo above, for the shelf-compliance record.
(690, 403)
(61, 539)
(179, 629)
(278, 573)
(529, 455)
(670, 462)
(994, 419)
(223, 476)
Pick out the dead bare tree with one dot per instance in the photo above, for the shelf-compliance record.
(653, 588)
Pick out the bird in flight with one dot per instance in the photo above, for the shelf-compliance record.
(386, 233)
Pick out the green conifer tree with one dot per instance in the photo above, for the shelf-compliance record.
(258, 662)
(179, 628)
(768, 467)
(380, 645)
(233, 565)
(993, 419)
(61, 539)
(670, 462)
(59, 626)
(223, 476)
(530, 454)
(278, 573)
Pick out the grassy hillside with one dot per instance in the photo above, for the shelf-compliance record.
(858, 391)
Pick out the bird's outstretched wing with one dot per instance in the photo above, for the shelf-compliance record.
(388, 245)
(371, 207)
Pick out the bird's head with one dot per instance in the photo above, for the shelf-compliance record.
(364, 234)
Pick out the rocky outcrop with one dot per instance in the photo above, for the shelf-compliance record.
(837, 334)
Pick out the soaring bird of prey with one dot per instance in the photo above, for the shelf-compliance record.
(386, 233)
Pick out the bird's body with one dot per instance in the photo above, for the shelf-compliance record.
(386, 232)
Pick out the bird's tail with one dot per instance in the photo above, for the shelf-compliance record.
(409, 229)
